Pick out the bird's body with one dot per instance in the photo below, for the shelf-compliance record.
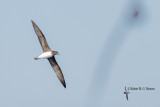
(48, 54)
(44, 55)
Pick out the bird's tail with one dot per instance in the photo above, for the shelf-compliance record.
(36, 58)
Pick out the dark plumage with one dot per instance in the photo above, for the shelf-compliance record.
(52, 59)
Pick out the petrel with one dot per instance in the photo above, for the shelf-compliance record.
(126, 93)
(48, 54)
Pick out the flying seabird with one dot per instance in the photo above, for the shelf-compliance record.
(49, 54)
(126, 93)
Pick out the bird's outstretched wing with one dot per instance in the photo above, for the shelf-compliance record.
(41, 38)
(57, 69)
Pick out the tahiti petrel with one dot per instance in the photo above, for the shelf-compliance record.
(49, 54)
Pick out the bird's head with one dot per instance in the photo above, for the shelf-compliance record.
(55, 53)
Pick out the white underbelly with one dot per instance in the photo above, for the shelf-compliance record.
(45, 55)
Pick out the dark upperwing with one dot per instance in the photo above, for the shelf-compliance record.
(57, 69)
(41, 38)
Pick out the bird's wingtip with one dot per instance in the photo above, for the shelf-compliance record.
(32, 22)
(64, 84)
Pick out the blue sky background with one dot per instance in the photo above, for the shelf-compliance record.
(102, 47)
